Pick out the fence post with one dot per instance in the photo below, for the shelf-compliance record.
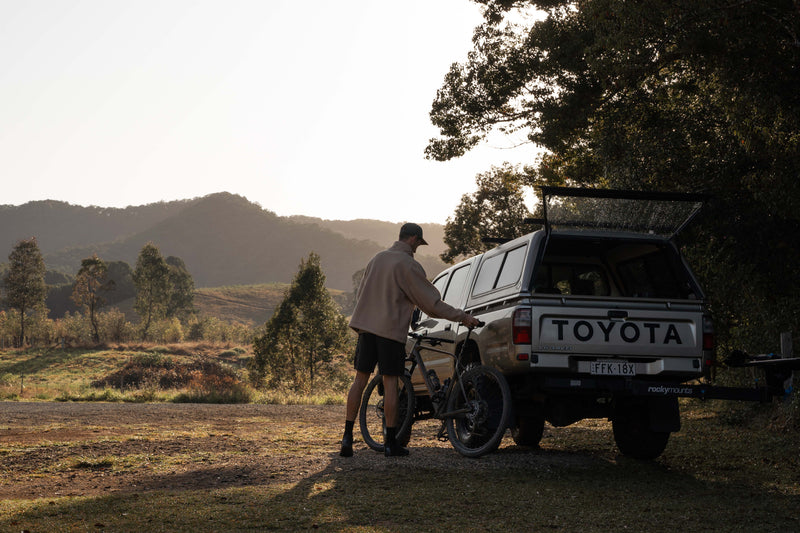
(787, 352)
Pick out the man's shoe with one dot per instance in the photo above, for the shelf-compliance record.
(347, 446)
(394, 450)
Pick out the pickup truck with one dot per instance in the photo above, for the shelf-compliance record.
(596, 315)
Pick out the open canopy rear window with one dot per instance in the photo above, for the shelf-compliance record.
(663, 214)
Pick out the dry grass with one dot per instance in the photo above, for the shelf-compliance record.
(167, 467)
(127, 372)
(246, 468)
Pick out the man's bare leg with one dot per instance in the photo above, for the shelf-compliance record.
(351, 411)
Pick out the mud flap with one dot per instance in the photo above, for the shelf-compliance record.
(665, 414)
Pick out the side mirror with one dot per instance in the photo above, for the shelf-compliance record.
(415, 316)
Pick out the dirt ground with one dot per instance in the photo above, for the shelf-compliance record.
(50, 449)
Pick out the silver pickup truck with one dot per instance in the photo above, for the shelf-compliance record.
(592, 316)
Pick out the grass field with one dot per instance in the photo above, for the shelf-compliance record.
(135, 465)
(165, 467)
(69, 374)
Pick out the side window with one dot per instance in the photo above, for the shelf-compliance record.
(440, 283)
(455, 288)
(500, 270)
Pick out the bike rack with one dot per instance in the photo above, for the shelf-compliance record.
(777, 373)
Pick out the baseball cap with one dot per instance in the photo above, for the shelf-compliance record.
(410, 229)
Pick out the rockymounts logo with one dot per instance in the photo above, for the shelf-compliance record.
(664, 389)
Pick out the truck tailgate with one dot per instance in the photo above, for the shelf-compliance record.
(644, 329)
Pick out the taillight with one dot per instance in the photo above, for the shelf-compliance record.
(521, 326)
(708, 333)
(708, 347)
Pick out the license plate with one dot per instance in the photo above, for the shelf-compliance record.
(612, 368)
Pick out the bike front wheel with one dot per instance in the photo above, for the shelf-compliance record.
(484, 406)
(371, 417)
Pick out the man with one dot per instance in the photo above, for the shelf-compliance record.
(393, 284)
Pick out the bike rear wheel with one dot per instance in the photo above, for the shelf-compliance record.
(371, 417)
(487, 401)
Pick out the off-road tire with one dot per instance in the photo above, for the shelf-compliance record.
(633, 434)
(487, 394)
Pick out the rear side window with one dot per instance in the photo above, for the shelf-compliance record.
(500, 270)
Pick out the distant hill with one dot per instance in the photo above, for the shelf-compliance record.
(380, 232)
(58, 225)
(223, 238)
(246, 304)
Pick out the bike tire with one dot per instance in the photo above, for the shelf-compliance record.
(371, 418)
(487, 394)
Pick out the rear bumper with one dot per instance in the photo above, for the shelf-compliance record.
(682, 368)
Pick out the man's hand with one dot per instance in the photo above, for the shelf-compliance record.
(470, 321)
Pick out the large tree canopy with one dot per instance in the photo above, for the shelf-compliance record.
(677, 93)
(657, 95)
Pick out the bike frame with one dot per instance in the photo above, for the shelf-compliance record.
(415, 358)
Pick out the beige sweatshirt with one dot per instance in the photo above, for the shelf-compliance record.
(393, 284)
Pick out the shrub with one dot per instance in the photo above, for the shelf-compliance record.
(215, 388)
(205, 380)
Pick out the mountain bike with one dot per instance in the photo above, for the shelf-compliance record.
(474, 404)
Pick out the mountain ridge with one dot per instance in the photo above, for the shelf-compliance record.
(224, 238)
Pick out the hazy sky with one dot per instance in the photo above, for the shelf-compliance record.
(312, 107)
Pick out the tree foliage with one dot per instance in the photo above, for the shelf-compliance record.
(164, 288)
(656, 95)
(90, 284)
(495, 211)
(305, 332)
(24, 282)
(180, 301)
(151, 279)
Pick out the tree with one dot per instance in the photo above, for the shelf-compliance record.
(180, 303)
(151, 279)
(495, 211)
(661, 94)
(164, 288)
(91, 282)
(24, 281)
(304, 333)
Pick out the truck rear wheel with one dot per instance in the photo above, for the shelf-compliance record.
(634, 435)
(528, 431)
